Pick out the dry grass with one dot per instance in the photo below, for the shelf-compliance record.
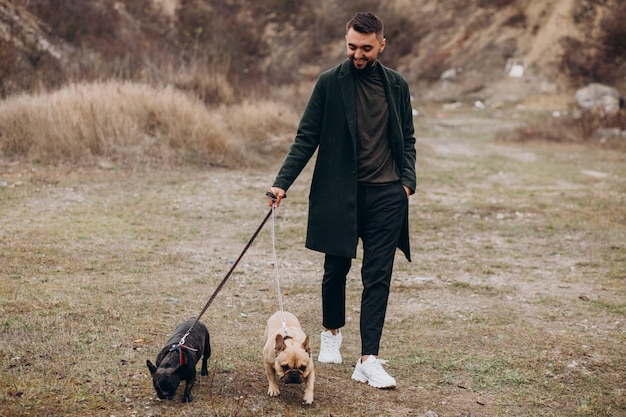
(590, 127)
(515, 303)
(264, 128)
(117, 123)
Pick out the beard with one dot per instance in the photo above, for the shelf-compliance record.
(362, 64)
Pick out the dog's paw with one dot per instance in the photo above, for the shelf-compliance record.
(273, 391)
(308, 398)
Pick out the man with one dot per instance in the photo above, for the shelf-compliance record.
(359, 119)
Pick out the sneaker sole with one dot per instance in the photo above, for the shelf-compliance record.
(363, 379)
(383, 387)
(375, 386)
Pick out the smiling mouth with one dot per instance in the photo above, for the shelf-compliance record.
(360, 65)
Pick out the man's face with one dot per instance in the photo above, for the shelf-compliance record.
(363, 48)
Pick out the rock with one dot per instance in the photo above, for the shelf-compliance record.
(515, 68)
(452, 105)
(594, 174)
(423, 279)
(598, 97)
(449, 74)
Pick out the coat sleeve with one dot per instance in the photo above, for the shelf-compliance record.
(306, 141)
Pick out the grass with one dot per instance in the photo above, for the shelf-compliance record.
(125, 124)
(522, 311)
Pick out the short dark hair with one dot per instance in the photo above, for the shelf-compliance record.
(366, 22)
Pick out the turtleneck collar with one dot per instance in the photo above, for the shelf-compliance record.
(367, 71)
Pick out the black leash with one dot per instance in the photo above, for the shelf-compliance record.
(230, 271)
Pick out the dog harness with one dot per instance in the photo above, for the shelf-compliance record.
(180, 347)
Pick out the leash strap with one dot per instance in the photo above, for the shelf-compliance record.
(230, 271)
(275, 260)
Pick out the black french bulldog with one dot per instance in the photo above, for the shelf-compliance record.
(175, 363)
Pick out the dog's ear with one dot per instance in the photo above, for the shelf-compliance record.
(280, 343)
(151, 367)
(306, 345)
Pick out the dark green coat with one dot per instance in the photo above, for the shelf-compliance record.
(328, 125)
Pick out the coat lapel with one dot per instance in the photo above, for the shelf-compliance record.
(348, 95)
(392, 91)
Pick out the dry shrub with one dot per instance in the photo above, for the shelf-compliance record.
(120, 122)
(581, 128)
(435, 63)
(585, 62)
(27, 62)
(205, 81)
(518, 18)
(255, 120)
(580, 62)
(224, 32)
(495, 3)
(552, 130)
(265, 128)
(607, 129)
(614, 35)
(294, 96)
(107, 37)
(404, 30)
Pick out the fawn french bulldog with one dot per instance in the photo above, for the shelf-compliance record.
(288, 356)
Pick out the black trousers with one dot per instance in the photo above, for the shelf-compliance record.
(381, 213)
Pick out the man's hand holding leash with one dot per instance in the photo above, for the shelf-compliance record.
(274, 195)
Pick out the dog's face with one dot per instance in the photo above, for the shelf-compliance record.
(292, 359)
(164, 380)
(288, 357)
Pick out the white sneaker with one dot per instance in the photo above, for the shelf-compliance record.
(329, 351)
(372, 372)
